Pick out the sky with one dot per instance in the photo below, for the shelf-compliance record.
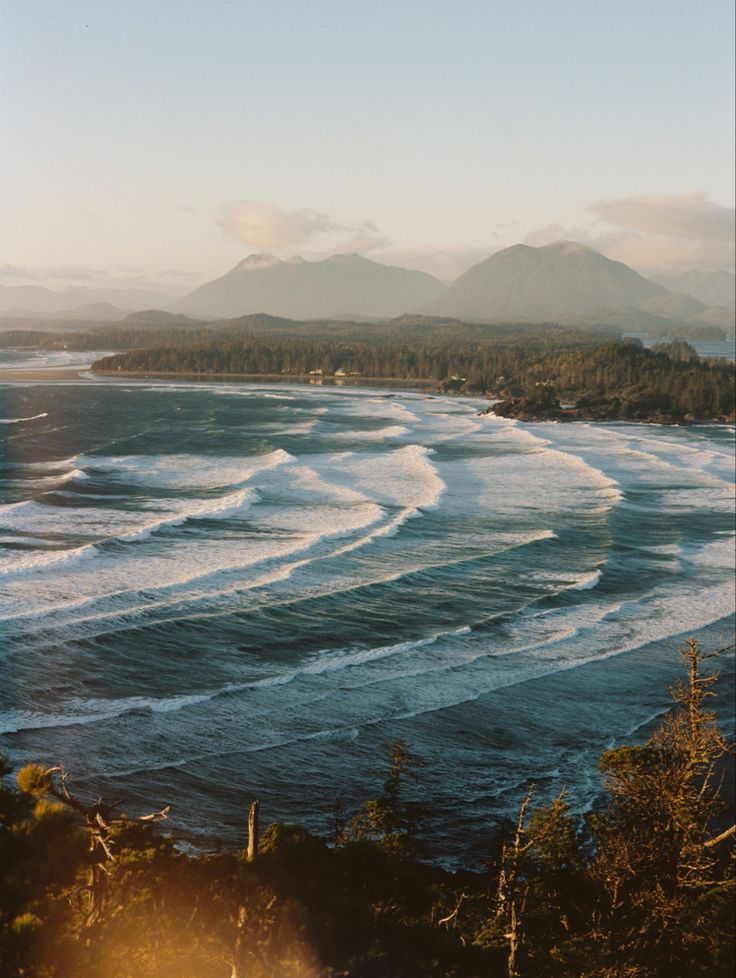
(159, 142)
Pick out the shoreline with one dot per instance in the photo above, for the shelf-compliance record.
(398, 384)
(52, 374)
(308, 380)
(428, 386)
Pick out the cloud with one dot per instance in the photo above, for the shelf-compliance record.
(366, 237)
(688, 215)
(269, 228)
(654, 233)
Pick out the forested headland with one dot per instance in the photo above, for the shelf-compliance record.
(642, 887)
(532, 370)
(537, 371)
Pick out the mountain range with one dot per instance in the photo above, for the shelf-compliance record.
(27, 300)
(298, 289)
(565, 282)
(715, 288)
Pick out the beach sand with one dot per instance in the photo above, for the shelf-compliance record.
(51, 374)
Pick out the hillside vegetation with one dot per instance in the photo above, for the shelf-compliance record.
(642, 887)
(605, 379)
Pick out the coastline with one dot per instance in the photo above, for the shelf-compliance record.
(52, 374)
(85, 373)
(309, 380)
(433, 387)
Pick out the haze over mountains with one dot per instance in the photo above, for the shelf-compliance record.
(33, 299)
(715, 288)
(298, 289)
(564, 282)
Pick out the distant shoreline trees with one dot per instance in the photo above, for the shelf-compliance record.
(532, 369)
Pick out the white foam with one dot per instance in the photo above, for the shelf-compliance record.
(21, 564)
(588, 581)
(181, 471)
(33, 417)
(95, 710)
(226, 507)
(377, 434)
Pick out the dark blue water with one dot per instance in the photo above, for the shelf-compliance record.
(213, 592)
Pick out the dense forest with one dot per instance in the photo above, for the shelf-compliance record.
(642, 887)
(163, 331)
(533, 369)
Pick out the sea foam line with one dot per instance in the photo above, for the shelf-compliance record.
(15, 721)
(224, 507)
(33, 417)
(282, 573)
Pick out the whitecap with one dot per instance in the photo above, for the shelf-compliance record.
(33, 417)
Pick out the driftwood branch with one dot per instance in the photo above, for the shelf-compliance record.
(721, 837)
(452, 916)
(99, 822)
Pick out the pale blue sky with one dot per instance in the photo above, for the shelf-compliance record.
(452, 126)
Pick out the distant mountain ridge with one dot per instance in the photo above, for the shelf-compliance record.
(32, 299)
(564, 282)
(298, 289)
(714, 288)
(99, 312)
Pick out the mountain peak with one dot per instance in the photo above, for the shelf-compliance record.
(347, 257)
(262, 260)
(541, 284)
(570, 248)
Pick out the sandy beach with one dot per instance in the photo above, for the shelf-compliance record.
(51, 374)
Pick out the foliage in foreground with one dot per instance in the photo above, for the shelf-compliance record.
(642, 888)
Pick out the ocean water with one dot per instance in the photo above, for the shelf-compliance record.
(707, 349)
(215, 592)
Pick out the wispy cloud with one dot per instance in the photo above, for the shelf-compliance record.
(54, 273)
(365, 238)
(654, 232)
(688, 215)
(268, 227)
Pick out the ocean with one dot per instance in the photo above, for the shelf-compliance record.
(213, 592)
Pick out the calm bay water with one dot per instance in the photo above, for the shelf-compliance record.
(213, 592)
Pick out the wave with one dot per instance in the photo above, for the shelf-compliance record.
(377, 434)
(46, 561)
(33, 417)
(96, 711)
(182, 471)
(588, 581)
(514, 542)
(224, 507)
(610, 487)
(73, 474)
